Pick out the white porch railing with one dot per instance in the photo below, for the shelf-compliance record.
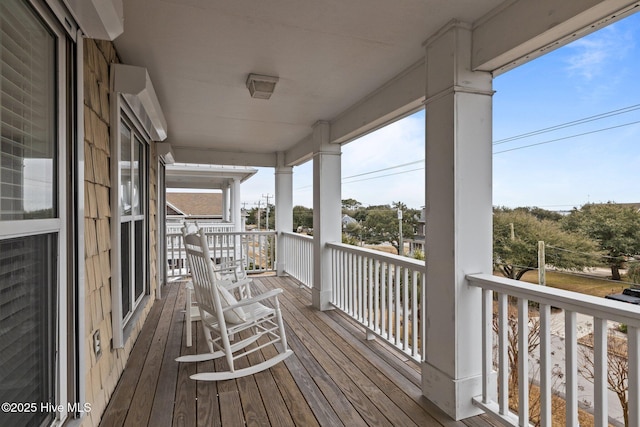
(256, 247)
(208, 227)
(602, 310)
(381, 291)
(297, 250)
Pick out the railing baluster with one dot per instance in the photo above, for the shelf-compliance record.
(523, 361)
(545, 365)
(633, 349)
(383, 299)
(360, 284)
(405, 310)
(414, 314)
(487, 344)
(396, 305)
(503, 356)
(600, 392)
(370, 308)
(571, 367)
(390, 293)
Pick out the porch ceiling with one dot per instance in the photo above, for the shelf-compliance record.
(205, 176)
(328, 55)
(356, 64)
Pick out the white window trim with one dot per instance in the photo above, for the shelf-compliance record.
(120, 105)
(58, 225)
(131, 88)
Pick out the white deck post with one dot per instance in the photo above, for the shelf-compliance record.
(284, 207)
(459, 218)
(326, 211)
(236, 210)
(225, 202)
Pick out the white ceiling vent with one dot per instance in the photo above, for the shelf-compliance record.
(261, 87)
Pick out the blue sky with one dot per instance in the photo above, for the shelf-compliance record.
(597, 160)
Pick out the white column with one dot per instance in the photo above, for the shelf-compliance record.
(235, 205)
(326, 211)
(284, 207)
(225, 202)
(459, 218)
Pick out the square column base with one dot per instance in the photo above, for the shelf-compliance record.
(453, 396)
(280, 266)
(321, 300)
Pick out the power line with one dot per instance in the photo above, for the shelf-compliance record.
(516, 137)
(385, 169)
(570, 124)
(373, 177)
(382, 176)
(566, 137)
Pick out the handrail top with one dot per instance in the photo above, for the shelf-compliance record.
(233, 233)
(598, 307)
(296, 235)
(379, 255)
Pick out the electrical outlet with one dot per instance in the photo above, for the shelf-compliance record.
(97, 343)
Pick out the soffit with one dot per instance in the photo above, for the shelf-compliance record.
(328, 55)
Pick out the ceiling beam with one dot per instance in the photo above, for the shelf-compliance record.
(213, 157)
(535, 27)
(299, 153)
(399, 97)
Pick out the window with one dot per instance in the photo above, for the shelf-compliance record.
(136, 120)
(33, 59)
(133, 217)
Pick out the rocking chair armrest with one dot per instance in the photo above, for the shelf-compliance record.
(224, 269)
(239, 283)
(269, 294)
(229, 265)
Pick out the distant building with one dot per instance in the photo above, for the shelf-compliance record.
(346, 220)
(206, 207)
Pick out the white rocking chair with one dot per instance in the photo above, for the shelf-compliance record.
(232, 270)
(222, 316)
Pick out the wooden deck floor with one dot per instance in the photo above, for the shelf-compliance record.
(334, 378)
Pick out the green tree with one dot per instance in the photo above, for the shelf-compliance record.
(381, 224)
(616, 229)
(302, 217)
(540, 213)
(350, 205)
(516, 254)
(634, 272)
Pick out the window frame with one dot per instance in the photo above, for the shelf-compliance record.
(123, 112)
(63, 29)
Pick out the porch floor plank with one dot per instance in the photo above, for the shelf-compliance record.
(146, 388)
(162, 409)
(120, 402)
(335, 376)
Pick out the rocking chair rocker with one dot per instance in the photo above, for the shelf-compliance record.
(223, 316)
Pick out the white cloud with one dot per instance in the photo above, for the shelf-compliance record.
(590, 56)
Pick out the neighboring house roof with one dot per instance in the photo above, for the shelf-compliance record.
(194, 204)
(172, 210)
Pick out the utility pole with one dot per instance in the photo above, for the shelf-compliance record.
(267, 196)
(258, 214)
(541, 264)
(400, 242)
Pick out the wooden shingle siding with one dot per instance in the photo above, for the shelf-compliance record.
(103, 372)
